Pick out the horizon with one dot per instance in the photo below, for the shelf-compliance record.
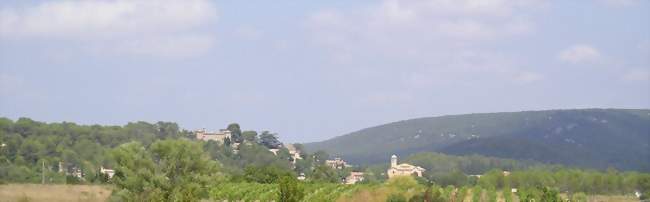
(311, 71)
(335, 136)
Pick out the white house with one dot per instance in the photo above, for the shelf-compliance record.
(109, 172)
(403, 169)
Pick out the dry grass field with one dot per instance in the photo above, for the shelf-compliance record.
(53, 193)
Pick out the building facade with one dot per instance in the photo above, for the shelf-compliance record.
(403, 169)
(219, 136)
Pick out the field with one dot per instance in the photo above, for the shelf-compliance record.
(53, 193)
(252, 192)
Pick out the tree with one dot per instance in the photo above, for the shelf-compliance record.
(550, 195)
(250, 136)
(324, 173)
(171, 170)
(235, 132)
(290, 190)
(265, 174)
(270, 140)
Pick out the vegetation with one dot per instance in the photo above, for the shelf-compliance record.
(569, 137)
(169, 170)
(160, 162)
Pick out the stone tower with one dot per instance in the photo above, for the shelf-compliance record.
(393, 161)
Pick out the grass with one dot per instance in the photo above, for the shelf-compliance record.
(53, 193)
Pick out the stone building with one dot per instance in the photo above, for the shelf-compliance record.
(403, 169)
(337, 163)
(219, 136)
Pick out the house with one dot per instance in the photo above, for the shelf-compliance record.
(73, 171)
(295, 153)
(337, 163)
(274, 151)
(403, 169)
(108, 172)
(220, 136)
(354, 177)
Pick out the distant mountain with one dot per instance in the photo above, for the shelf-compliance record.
(592, 138)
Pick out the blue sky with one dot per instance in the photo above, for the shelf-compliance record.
(313, 70)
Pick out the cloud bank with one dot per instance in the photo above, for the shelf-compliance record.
(126, 26)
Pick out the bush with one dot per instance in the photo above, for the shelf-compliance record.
(396, 198)
(290, 190)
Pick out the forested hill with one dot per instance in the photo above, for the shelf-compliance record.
(593, 138)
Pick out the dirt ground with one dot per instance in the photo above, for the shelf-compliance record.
(53, 193)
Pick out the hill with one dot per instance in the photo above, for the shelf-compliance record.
(592, 138)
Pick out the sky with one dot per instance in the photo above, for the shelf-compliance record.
(312, 70)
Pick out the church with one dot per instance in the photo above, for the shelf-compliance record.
(403, 169)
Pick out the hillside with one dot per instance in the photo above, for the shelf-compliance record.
(593, 138)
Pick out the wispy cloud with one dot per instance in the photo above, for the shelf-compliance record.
(637, 75)
(528, 77)
(113, 22)
(579, 54)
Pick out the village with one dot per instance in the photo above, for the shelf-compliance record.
(337, 163)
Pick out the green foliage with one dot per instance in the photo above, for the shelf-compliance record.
(170, 170)
(270, 140)
(235, 132)
(402, 183)
(550, 195)
(290, 190)
(549, 136)
(460, 196)
(250, 136)
(396, 198)
(476, 194)
(269, 192)
(86, 147)
(324, 173)
(265, 174)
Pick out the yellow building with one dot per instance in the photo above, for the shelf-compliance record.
(403, 169)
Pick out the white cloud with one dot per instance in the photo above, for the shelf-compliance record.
(528, 77)
(166, 46)
(110, 22)
(579, 54)
(637, 75)
(248, 33)
(620, 3)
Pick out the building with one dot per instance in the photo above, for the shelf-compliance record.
(354, 177)
(403, 169)
(216, 136)
(337, 163)
(274, 151)
(301, 176)
(108, 172)
(295, 153)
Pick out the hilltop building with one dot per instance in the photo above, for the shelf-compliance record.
(403, 169)
(337, 163)
(219, 136)
(295, 153)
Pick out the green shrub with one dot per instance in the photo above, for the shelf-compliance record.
(396, 198)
